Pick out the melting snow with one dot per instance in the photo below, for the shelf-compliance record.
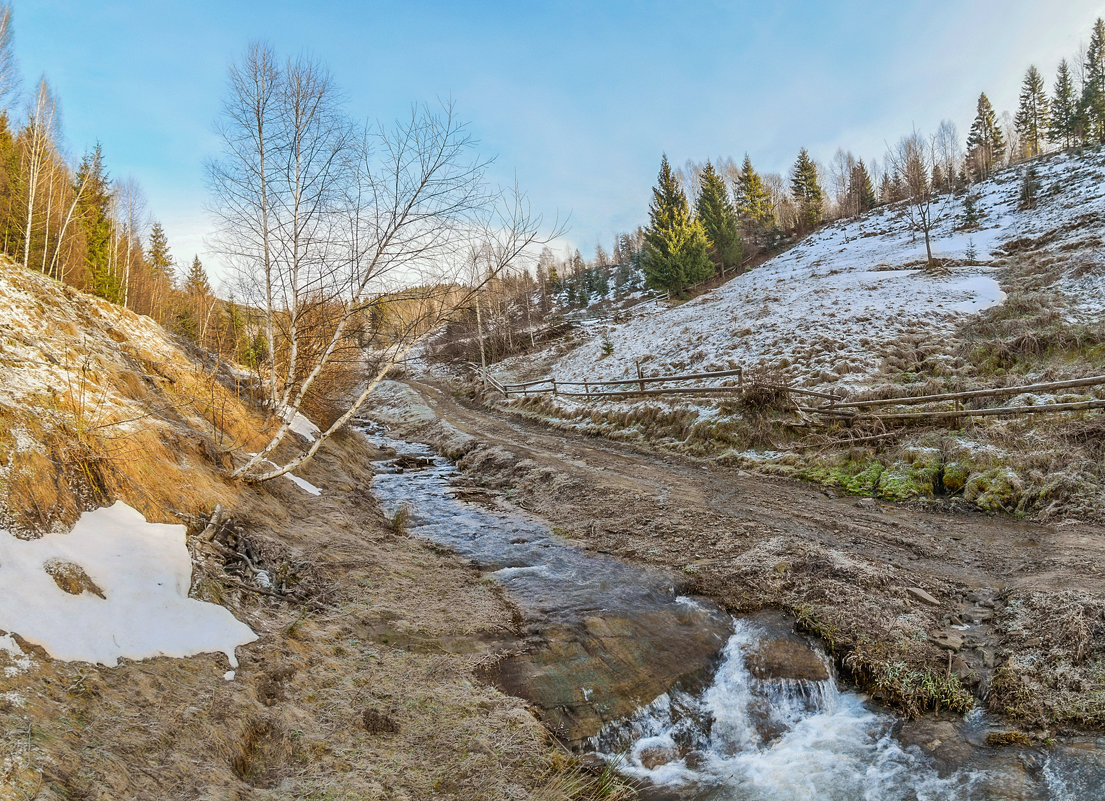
(144, 571)
(302, 426)
(823, 310)
(304, 484)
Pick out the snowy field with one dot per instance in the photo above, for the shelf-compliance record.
(823, 310)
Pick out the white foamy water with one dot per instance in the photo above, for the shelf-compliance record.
(782, 740)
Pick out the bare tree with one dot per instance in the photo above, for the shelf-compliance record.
(912, 160)
(240, 181)
(948, 152)
(840, 174)
(9, 71)
(42, 125)
(347, 223)
(129, 210)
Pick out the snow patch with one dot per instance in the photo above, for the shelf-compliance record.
(303, 484)
(301, 426)
(144, 572)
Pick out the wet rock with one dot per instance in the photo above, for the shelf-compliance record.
(785, 659)
(591, 763)
(583, 674)
(951, 640)
(657, 755)
(920, 595)
(783, 653)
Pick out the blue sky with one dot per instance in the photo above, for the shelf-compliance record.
(577, 99)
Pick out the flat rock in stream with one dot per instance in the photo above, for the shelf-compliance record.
(783, 653)
(583, 675)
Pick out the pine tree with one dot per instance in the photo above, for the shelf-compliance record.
(1091, 108)
(860, 190)
(1064, 108)
(754, 208)
(719, 219)
(1033, 113)
(985, 142)
(971, 216)
(196, 284)
(104, 278)
(192, 316)
(675, 244)
(161, 270)
(886, 190)
(807, 192)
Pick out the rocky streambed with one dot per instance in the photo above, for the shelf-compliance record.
(691, 702)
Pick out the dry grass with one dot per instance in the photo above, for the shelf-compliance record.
(404, 629)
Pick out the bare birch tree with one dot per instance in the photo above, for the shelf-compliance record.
(335, 223)
(40, 136)
(240, 180)
(9, 71)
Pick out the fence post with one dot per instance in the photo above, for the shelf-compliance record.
(554, 391)
(586, 389)
(640, 377)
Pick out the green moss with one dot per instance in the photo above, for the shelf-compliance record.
(996, 490)
(955, 476)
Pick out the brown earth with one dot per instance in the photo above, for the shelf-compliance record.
(1020, 614)
(361, 686)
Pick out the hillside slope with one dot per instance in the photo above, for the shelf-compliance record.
(826, 311)
(304, 648)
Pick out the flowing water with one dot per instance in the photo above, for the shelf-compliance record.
(732, 736)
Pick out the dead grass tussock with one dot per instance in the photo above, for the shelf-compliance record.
(1053, 671)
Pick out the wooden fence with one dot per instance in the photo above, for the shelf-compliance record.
(834, 405)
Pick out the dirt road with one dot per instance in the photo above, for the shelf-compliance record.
(917, 605)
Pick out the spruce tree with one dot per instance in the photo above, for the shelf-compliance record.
(860, 190)
(1033, 113)
(719, 219)
(754, 208)
(197, 291)
(196, 284)
(886, 190)
(806, 189)
(985, 142)
(1064, 108)
(1091, 107)
(103, 277)
(675, 244)
(161, 261)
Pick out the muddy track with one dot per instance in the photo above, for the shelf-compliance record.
(853, 559)
(974, 549)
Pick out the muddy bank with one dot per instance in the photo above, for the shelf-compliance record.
(361, 685)
(924, 611)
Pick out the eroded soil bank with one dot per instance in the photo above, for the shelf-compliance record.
(925, 611)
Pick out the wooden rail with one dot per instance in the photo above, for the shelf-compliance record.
(833, 407)
(998, 411)
(974, 393)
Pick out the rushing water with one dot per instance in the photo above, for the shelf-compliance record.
(738, 738)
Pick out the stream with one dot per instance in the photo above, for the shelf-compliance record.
(674, 692)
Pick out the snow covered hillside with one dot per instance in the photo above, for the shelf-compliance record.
(823, 311)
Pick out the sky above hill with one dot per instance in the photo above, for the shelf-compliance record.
(577, 99)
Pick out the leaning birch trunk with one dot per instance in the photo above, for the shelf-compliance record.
(354, 407)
